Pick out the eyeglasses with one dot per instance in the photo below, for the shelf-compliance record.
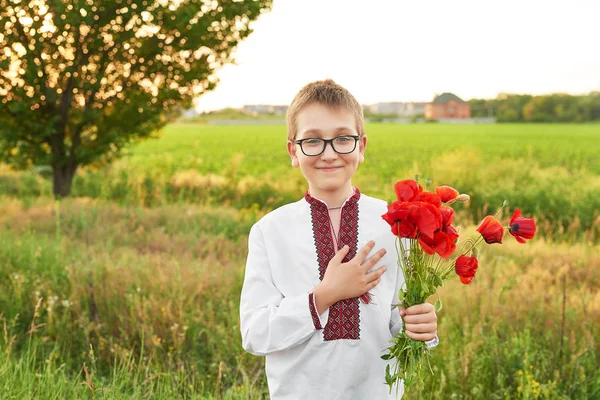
(315, 146)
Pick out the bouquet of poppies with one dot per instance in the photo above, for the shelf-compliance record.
(429, 252)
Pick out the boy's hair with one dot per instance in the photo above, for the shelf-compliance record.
(327, 93)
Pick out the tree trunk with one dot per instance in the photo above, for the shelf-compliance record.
(63, 178)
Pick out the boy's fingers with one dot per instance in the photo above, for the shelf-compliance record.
(423, 337)
(371, 276)
(420, 309)
(421, 328)
(367, 265)
(419, 318)
(339, 256)
(362, 253)
(372, 284)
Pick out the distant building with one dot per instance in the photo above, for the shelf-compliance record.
(280, 110)
(415, 109)
(447, 105)
(264, 109)
(400, 109)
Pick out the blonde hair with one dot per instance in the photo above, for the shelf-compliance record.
(327, 93)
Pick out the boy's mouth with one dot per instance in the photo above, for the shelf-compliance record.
(328, 169)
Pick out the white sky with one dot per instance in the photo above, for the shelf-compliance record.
(398, 50)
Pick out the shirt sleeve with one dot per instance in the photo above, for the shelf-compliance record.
(270, 322)
(433, 342)
(322, 318)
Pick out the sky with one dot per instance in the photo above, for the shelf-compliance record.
(399, 50)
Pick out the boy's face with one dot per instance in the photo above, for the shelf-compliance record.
(328, 173)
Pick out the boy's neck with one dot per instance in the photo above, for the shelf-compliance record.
(333, 199)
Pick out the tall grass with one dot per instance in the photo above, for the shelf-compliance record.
(131, 302)
(145, 292)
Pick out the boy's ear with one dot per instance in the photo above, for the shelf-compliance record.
(291, 148)
(362, 145)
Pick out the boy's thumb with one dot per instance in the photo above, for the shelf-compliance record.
(402, 311)
(342, 252)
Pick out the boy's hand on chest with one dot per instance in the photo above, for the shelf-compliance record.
(350, 279)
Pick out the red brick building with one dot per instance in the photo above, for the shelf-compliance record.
(447, 105)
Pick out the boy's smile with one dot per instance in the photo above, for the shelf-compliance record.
(328, 174)
(329, 169)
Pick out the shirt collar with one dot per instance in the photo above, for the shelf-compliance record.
(350, 200)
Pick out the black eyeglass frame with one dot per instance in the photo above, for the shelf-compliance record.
(325, 141)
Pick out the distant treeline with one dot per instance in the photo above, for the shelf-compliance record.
(547, 108)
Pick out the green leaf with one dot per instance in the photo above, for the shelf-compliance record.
(401, 295)
(438, 305)
(386, 357)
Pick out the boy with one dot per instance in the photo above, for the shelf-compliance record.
(316, 303)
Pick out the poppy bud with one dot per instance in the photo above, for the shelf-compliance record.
(463, 198)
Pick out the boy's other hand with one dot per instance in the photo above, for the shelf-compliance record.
(420, 321)
(348, 280)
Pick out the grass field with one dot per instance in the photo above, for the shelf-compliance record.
(130, 289)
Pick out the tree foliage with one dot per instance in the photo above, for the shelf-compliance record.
(548, 108)
(81, 79)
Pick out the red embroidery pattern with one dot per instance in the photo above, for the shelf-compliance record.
(313, 311)
(344, 318)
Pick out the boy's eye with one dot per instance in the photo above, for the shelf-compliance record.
(313, 141)
(343, 139)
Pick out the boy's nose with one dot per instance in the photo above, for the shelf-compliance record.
(328, 152)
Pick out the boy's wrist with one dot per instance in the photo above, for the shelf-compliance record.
(323, 298)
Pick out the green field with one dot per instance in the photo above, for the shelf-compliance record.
(130, 289)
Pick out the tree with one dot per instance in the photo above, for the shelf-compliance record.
(81, 79)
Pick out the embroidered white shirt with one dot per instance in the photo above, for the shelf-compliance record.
(335, 355)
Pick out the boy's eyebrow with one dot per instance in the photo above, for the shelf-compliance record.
(320, 132)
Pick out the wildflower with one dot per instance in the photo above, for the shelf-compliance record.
(465, 268)
(521, 228)
(407, 190)
(442, 243)
(446, 193)
(491, 229)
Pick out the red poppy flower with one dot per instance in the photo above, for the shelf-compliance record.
(447, 215)
(465, 268)
(521, 228)
(446, 193)
(442, 243)
(451, 232)
(429, 197)
(409, 219)
(491, 229)
(397, 211)
(405, 229)
(428, 217)
(398, 216)
(407, 190)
